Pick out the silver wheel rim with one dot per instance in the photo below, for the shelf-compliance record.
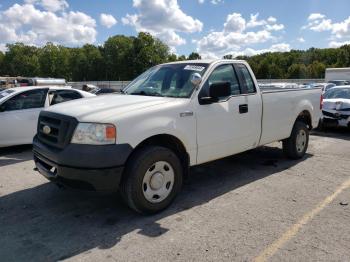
(301, 141)
(158, 182)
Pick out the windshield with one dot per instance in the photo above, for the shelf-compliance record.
(172, 80)
(338, 93)
(5, 93)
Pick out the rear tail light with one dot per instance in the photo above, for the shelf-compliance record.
(321, 102)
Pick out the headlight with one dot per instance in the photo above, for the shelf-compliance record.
(94, 134)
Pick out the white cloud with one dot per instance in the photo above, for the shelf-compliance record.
(3, 48)
(254, 22)
(234, 23)
(315, 16)
(215, 2)
(335, 44)
(162, 18)
(107, 20)
(50, 5)
(340, 32)
(236, 36)
(269, 24)
(301, 40)
(272, 19)
(25, 23)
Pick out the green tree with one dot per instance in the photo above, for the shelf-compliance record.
(118, 58)
(194, 56)
(181, 58)
(172, 58)
(148, 51)
(296, 71)
(21, 60)
(54, 61)
(2, 57)
(316, 70)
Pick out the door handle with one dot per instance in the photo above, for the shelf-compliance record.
(243, 108)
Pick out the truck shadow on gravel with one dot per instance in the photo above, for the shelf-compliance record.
(15, 154)
(45, 223)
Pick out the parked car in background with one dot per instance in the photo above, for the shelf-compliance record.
(336, 107)
(102, 91)
(325, 86)
(88, 87)
(340, 82)
(20, 108)
(171, 117)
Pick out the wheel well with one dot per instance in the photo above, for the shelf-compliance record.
(170, 142)
(305, 117)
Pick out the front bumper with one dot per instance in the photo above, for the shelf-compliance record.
(84, 167)
(335, 119)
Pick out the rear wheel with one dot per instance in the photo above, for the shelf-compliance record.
(296, 145)
(152, 179)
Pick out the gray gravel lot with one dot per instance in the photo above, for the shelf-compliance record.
(229, 210)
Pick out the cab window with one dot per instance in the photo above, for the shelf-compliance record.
(26, 100)
(222, 74)
(246, 78)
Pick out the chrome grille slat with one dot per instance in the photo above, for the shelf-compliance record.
(61, 129)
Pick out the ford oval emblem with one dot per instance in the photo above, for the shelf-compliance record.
(46, 130)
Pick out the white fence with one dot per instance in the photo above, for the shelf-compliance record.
(118, 85)
(296, 81)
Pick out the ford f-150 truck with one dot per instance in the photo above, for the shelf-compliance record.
(174, 116)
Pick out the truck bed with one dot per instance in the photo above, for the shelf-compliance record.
(282, 106)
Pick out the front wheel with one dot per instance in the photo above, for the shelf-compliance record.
(296, 145)
(152, 179)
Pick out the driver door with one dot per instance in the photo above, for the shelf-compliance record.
(19, 117)
(221, 126)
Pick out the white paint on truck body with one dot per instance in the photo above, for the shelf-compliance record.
(208, 132)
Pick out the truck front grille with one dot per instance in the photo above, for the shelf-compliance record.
(55, 129)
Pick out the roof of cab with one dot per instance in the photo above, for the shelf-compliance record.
(204, 61)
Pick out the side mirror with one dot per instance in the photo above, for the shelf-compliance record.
(216, 90)
(220, 89)
(196, 79)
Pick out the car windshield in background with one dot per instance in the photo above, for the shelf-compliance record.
(5, 93)
(338, 93)
(171, 80)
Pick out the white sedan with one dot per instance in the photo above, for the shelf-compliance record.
(336, 106)
(20, 108)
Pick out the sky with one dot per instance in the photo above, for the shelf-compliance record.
(212, 28)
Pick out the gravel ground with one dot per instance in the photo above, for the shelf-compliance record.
(245, 207)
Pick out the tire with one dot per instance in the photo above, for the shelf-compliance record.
(296, 145)
(152, 179)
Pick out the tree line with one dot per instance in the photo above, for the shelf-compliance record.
(298, 64)
(124, 57)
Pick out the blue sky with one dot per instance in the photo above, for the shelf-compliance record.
(211, 27)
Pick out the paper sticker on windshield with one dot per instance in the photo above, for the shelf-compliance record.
(194, 68)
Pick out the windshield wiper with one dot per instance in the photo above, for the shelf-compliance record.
(143, 93)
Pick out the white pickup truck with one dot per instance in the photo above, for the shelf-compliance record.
(174, 116)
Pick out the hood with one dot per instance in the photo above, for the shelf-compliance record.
(96, 109)
(336, 104)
